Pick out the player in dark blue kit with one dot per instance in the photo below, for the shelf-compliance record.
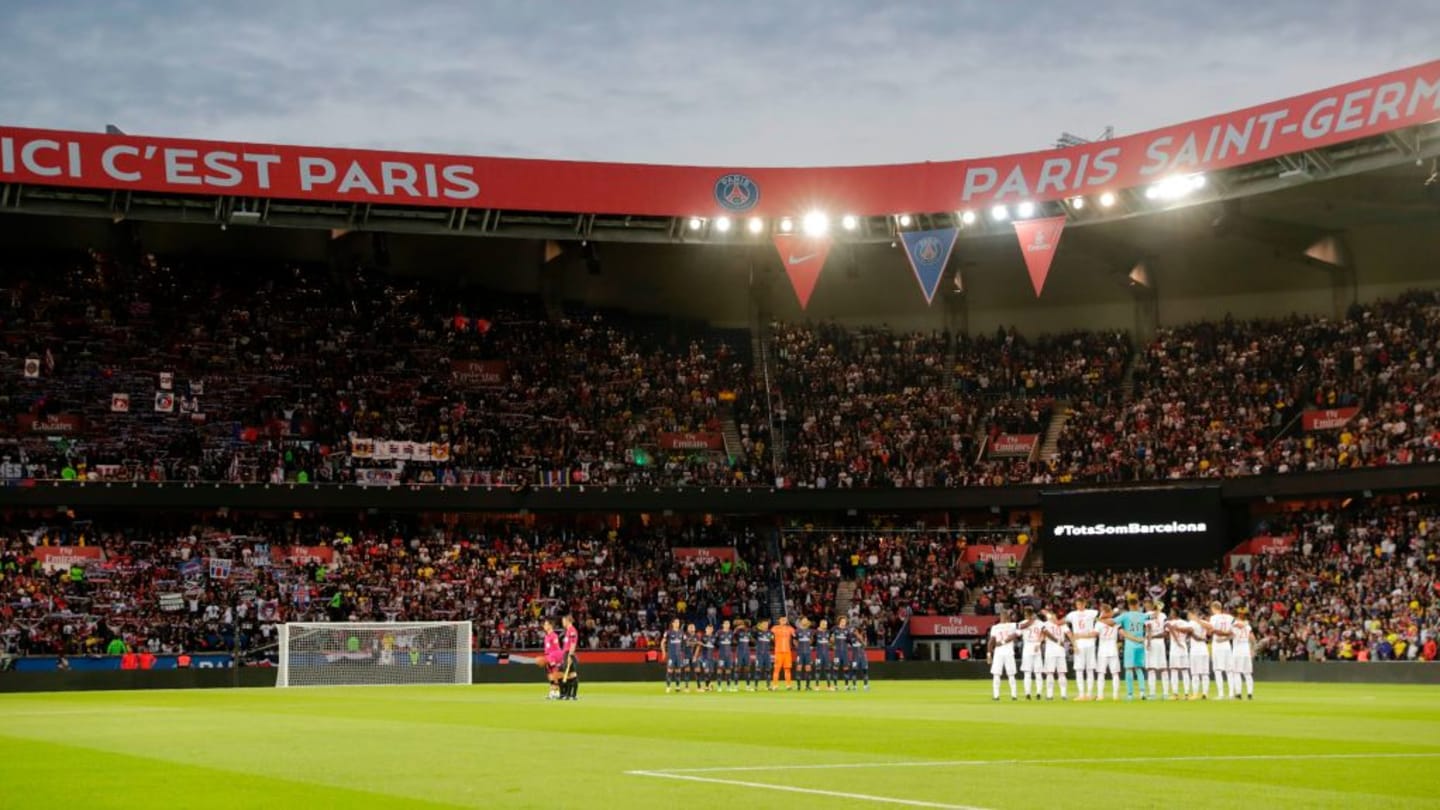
(859, 664)
(842, 635)
(744, 665)
(764, 649)
(725, 646)
(804, 654)
(824, 658)
(692, 656)
(707, 658)
(674, 656)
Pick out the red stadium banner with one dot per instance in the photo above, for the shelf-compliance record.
(1000, 555)
(803, 257)
(479, 372)
(1038, 240)
(60, 558)
(1328, 418)
(692, 441)
(1347, 112)
(707, 555)
(950, 626)
(55, 424)
(1012, 445)
(301, 555)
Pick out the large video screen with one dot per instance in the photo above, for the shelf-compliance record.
(1125, 529)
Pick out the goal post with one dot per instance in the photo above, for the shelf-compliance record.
(374, 653)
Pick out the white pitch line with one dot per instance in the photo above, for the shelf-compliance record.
(1086, 761)
(864, 797)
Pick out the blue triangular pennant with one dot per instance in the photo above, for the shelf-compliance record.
(929, 251)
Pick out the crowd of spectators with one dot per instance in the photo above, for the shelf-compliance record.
(877, 408)
(249, 374)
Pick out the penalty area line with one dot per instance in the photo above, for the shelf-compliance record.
(933, 763)
(834, 794)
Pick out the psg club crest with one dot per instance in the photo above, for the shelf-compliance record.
(736, 192)
(928, 250)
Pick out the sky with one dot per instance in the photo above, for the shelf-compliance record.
(738, 83)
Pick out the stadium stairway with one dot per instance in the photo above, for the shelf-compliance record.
(844, 596)
(730, 432)
(1127, 382)
(1050, 447)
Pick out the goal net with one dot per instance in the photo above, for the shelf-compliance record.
(374, 653)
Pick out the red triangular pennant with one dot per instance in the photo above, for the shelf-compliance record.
(1038, 240)
(803, 257)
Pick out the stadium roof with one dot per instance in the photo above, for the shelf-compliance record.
(1361, 127)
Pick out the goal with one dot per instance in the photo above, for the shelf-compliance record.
(374, 653)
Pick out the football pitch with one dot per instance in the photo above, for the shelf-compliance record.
(916, 744)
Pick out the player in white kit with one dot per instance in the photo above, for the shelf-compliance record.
(1054, 666)
(1179, 673)
(1241, 658)
(1082, 632)
(1199, 657)
(1107, 654)
(1032, 633)
(1155, 664)
(1000, 653)
(1221, 624)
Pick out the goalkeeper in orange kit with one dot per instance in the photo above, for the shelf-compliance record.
(784, 652)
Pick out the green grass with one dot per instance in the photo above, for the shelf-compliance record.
(493, 746)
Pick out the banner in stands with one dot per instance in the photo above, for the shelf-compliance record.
(1039, 239)
(1328, 418)
(378, 476)
(1012, 445)
(692, 441)
(1126, 529)
(384, 450)
(53, 424)
(950, 626)
(61, 558)
(479, 372)
(1000, 555)
(1346, 112)
(804, 258)
(706, 555)
(301, 555)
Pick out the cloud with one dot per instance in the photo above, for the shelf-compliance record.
(740, 83)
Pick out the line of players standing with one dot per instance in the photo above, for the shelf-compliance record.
(819, 658)
(1180, 653)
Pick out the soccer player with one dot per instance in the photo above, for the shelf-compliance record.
(842, 651)
(859, 661)
(1000, 654)
(1131, 624)
(554, 655)
(1242, 665)
(805, 653)
(1032, 633)
(1199, 657)
(1107, 657)
(744, 662)
(764, 646)
(1054, 663)
(570, 648)
(1082, 632)
(692, 656)
(784, 637)
(674, 656)
(1178, 632)
(725, 646)
(1155, 664)
(1221, 626)
(824, 660)
(707, 658)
